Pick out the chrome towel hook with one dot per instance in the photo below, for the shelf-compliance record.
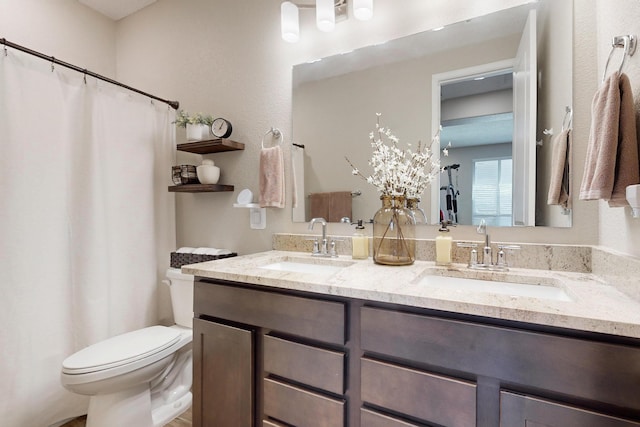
(627, 42)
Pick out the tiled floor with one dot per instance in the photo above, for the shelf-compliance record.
(183, 420)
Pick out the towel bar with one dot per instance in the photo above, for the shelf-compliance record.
(354, 193)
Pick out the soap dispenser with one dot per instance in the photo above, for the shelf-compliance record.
(444, 244)
(360, 243)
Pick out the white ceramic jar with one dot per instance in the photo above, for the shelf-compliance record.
(207, 172)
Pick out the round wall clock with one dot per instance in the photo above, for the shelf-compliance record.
(221, 128)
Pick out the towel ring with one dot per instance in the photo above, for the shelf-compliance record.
(568, 118)
(277, 133)
(628, 43)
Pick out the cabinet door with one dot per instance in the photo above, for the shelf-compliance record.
(223, 375)
(526, 411)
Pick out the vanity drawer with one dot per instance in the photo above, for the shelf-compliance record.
(556, 363)
(313, 366)
(298, 407)
(310, 318)
(373, 419)
(429, 397)
(519, 410)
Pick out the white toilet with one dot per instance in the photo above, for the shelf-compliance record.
(142, 378)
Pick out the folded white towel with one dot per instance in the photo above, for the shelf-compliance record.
(224, 252)
(185, 250)
(202, 251)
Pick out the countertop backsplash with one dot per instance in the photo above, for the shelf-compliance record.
(537, 256)
(619, 270)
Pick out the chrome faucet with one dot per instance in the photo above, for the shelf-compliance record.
(486, 251)
(321, 249)
(487, 259)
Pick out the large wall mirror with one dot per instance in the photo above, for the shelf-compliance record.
(464, 78)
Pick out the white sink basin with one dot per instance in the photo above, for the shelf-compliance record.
(463, 284)
(315, 266)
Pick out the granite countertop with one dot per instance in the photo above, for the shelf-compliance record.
(578, 301)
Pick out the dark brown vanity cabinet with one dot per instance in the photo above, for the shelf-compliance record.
(292, 350)
(462, 373)
(274, 358)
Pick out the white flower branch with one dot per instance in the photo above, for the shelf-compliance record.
(396, 171)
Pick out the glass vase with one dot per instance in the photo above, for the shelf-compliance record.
(413, 204)
(394, 233)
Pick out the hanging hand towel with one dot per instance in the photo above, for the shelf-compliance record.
(272, 178)
(340, 205)
(628, 158)
(331, 206)
(612, 152)
(560, 186)
(319, 205)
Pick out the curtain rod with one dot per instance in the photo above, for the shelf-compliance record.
(174, 104)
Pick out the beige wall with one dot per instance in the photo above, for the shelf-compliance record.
(65, 29)
(227, 58)
(618, 230)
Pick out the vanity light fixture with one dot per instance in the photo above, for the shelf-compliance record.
(363, 9)
(325, 15)
(289, 22)
(328, 12)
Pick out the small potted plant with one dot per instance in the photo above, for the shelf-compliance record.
(198, 126)
(204, 122)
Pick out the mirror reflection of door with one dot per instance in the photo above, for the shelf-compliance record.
(488, 131)
(476, 114)
(524, 119)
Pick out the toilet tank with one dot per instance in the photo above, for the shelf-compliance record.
(181, 288)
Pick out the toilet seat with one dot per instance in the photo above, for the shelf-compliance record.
(131, 348)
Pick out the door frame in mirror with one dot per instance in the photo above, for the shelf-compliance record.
(437, 81)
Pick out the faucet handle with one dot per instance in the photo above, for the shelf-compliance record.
(332, 247)
(332, 250)
(473, 257)
(502, 256)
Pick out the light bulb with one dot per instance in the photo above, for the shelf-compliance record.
(325, 15)
(289, 22)
(363, 9)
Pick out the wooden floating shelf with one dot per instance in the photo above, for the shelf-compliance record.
(210, 146)
(200, 188)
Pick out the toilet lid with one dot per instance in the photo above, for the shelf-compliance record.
(121, 349)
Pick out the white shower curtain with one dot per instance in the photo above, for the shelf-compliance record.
(86, 226)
